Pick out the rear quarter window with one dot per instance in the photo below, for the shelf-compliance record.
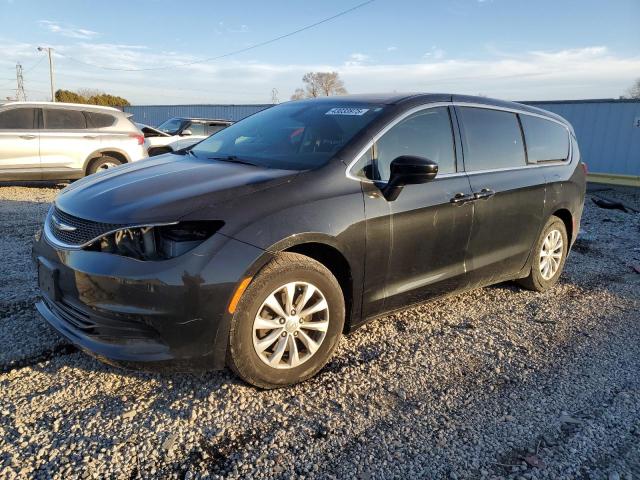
(99, 120)
(546, 141)
(492, 139)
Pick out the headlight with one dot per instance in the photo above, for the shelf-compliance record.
(156, 242)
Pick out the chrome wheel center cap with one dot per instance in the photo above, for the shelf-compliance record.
(293, 323)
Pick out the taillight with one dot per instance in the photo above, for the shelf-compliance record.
(139, 138)
(584, 167)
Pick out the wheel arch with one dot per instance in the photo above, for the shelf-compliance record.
(112, 152)
(326, 250)
(338, 265)
(565, 215)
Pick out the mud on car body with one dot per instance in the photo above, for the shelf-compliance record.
(258, 247)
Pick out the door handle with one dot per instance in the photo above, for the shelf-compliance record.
(27, 137)
(90, 137)
(462, 198)
(484, 194)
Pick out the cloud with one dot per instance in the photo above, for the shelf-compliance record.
(589, 72)
(434, 53)
(68, 30)
(356, 59)
(392, 48)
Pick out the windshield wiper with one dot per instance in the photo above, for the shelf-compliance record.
(233, 159)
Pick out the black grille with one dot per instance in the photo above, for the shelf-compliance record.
(85, 230)
(97, 326)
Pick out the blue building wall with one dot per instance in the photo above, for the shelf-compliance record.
(608, 132)
(154, 115)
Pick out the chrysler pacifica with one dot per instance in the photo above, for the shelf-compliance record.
(261, 245)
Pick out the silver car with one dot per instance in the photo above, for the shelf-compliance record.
(64, 141)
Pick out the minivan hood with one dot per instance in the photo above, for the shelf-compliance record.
(163, 189)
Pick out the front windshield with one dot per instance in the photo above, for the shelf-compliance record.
(290, 136)
(172, 126)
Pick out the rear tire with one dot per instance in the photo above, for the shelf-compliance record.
(270, 349)
(102, 163)
(549, 255)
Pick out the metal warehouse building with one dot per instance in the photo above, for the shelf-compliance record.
(154, 115)
(608, 130)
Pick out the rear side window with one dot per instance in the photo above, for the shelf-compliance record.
(426, 133)
(99, 120)
(63, 119)
(17, 119)
(547, 141)
(491, 139)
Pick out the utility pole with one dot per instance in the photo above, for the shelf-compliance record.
(274, 96)
(49, 50)
(20, 95)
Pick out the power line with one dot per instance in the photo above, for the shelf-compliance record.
(33, 66)
(228, 54)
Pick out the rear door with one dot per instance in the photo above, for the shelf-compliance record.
(19, 144)
(509, 194)
(65, 141)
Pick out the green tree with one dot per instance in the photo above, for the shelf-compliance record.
(91, 97)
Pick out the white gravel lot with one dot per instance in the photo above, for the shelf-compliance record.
(494, 383)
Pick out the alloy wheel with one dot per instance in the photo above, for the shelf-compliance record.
(291, 325)
(107, 166)
(551, 254)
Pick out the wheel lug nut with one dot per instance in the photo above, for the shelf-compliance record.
(293, 312)
(281, 321)
(284, 334)
(295, 334)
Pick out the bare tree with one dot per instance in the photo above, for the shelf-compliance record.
(317, 84)
(634, 91)
(298, 94)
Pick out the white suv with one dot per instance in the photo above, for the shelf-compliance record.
(64, 141)
(179, 132)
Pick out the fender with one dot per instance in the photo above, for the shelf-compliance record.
(308, 237)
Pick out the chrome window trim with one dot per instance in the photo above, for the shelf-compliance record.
(419, 108)
(50, 238)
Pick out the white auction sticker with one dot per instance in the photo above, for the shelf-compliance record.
(347, 111)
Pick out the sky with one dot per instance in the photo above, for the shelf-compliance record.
(510, 49)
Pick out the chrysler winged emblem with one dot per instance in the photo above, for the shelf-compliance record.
(60, 225)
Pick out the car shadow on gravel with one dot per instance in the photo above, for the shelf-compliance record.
(35, 184)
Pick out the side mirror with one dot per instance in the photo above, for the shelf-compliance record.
(408, 170)
(186, 133)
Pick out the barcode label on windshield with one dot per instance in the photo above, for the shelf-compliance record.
(347, 111)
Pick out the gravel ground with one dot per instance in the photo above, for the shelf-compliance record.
(494, 383)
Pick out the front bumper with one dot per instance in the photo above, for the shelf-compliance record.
(169, 314)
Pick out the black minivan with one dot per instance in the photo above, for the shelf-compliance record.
(258, 247)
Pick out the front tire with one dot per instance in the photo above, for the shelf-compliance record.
(287, 323)
(549, 256)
